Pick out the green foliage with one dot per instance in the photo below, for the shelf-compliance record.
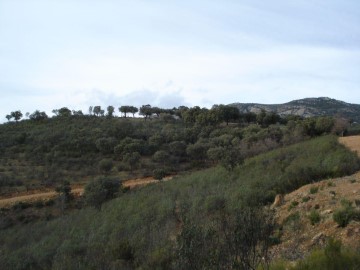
(314, 190)
(242, 243)
(159, 174)
(331, 184)
(64, 189)
(292, 205)
(38, 116)
(292, 220)
(132, 159)
(16, 115)
(105, 165)
(314, 217)
(100, 190)
(149, 218)
(333, 257)
(347, 213)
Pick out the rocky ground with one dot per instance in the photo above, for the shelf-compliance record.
(297, 234)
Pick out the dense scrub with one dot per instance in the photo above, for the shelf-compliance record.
(44, 152)
(333, 257)
(139, 229)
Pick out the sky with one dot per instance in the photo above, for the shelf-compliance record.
(78, 53)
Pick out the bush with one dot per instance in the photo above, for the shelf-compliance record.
(314, 217)
(314, 190)
(293, 205)
(100, 190)
(343, 216)
(333, 257)
(159, 174)
(293, 221)
(105, 165)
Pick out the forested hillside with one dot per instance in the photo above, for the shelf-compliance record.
(71, 146)
(212, 215)
(176, 224)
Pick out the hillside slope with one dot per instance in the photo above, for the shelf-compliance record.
(139, 228)
(298, 235)
(307, 107)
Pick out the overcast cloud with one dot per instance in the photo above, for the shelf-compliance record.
(77, 53)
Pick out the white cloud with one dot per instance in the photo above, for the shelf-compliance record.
(76, 53)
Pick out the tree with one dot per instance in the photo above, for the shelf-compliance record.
(207, 117)
(8, 117)
(106, 145)
(110, 111)
(234, 241)
(90, 110)
(178, 150)
(133, 110)
(146, 111)
(161, 156)
(105, 165)
(159, 174)
(38, 116)
(62, 112)
(128, 109)
(64, 191)
(227, 113)
(132, 159)
(124, 110)
(101, 190)
(97, 110)
(16, 115)
(77, 113)
(190, 115)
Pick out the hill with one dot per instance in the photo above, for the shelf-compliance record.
(306, 107)
(149, 228)
(323, 199)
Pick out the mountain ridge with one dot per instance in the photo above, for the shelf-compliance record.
(307, 107)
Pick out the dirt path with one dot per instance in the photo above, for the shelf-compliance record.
(352, 142)
(41, 195)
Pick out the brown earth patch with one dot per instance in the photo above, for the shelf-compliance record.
(352, 142)
(300, 237)
(77, 190)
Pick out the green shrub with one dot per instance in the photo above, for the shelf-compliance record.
(159, 174)
(331, 184)
(305, 199)
(332, 257)
(39, 204)
(105, 165)
(292, 205)
(314, 190)
(343, 216)
(346, 203)
(100, 190)
(314, 217)
(293, 221)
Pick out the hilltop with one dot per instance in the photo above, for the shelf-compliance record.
(307, 107)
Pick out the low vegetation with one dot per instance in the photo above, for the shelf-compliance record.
(333, 257)
(173, 224)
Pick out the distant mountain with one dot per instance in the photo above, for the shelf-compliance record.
(307, 107)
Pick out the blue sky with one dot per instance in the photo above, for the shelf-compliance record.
(77, 53)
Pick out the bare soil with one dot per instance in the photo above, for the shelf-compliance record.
(76, 190)
(299, 237)
(352, 142)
